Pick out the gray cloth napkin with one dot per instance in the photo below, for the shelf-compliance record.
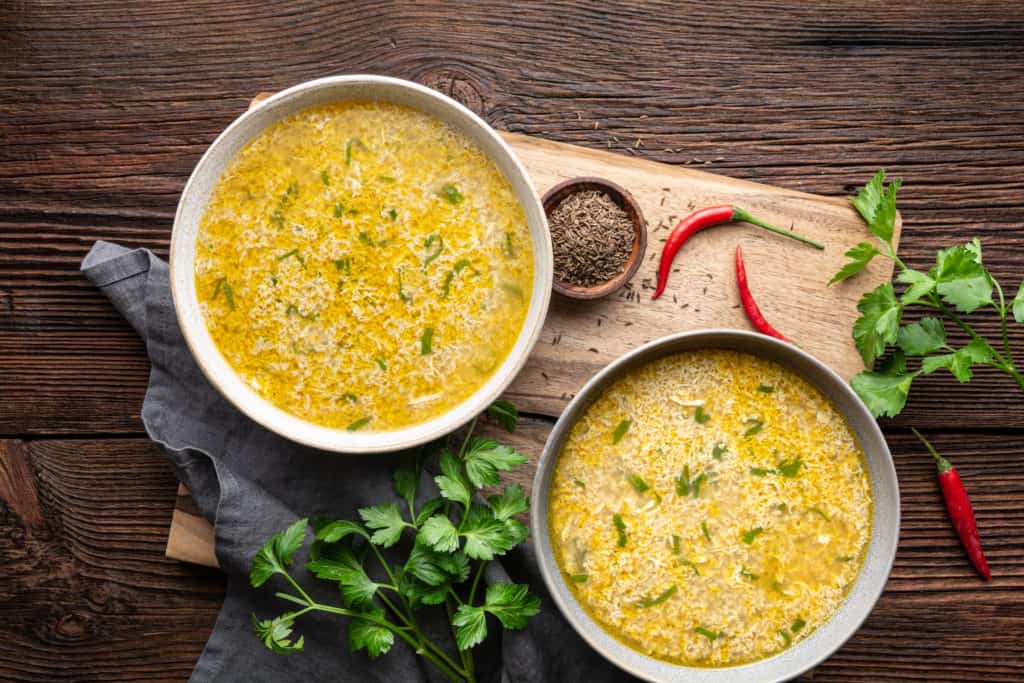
(252, 483)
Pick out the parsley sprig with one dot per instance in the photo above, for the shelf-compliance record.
(957, 284)
(440, 541)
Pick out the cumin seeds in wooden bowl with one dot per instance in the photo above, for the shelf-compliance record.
(598, 236)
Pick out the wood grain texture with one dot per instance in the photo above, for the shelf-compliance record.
(106, 106)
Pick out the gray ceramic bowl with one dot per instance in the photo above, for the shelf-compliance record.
(881, 551)
(222, 152)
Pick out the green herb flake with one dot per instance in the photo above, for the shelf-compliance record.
(579, 578)
(620, 527)
(359, 424)
(749, 536)
(683, 482)
(293, 253)
(766, 388)
(675, 544)
(700, 416)
(426, 341)
(385, 179)
(451, 193)
(381, 363)
(844, 558)
(292, 309)
(401, 292)
(697, 481)
(821, 513)
(754, 428)
(719, 450)
(797, 625)
(339, 210)
(786, 637)
(661, 597)
(620, 431)
(760, 472)
(349, 398)
(579, 483)
(790, 468)
(343, 265)
(710, 635)
(508, 246)
(450, 276)
(354, 143)
(687, 563)
(749, 576)
(393, 214)
(637, 482)
(704, 530)
(273, 280)
(325, 178)
(366, 239)
(229, 294)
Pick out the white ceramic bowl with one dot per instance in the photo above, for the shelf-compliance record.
(881, 552)
(223, 151)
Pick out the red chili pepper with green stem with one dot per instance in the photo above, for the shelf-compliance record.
(754, 314)
(705, 218)
(959, 507)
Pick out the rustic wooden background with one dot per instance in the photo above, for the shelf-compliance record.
(105, 107)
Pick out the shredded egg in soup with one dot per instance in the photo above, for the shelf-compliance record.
(363, 265)
(710, 509)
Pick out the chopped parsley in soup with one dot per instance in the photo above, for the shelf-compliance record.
(363, 265)
(710, 509)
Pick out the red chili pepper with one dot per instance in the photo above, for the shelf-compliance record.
(705, 218)
(749, 305)
(959, 507)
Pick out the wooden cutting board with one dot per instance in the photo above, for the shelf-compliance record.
(579, 338)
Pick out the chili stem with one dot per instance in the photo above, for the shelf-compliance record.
(741, 215)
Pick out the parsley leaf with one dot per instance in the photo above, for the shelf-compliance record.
(484, 457)
(710, 635)
(406, 479)
(388, 522)
(364, 634)
(962, 280)
(276, 554)
(470, 626)
(485, 535)
(275, 634)
(339, 563)
(452, 483)
(878, 324)
(620, 431)
(860, 256)
(511, 603)
(620, 527)
(440, 534)
(700, 416)
(790, 468)
(719, 450)
(923, 337)
(1018, 304)
(333, 530)
(885, 391)
(452, 194)
(960, 361)
(428, 565)
(426, 341)
(579, 578)
(429, 508)
(876, 204)
(755, 427)
(510, 503)
(920, 285)
(505, 413)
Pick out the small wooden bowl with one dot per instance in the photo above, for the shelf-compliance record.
(553, 197)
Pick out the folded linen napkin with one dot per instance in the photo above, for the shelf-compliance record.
(252, 483)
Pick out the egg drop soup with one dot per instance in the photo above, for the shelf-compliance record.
(362, 265)
(710, 509)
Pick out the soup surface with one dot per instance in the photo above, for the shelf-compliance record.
(363, 265)
(710, 509)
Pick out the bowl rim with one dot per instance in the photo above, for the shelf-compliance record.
(637, 253)
(182, 254)
(875, 569)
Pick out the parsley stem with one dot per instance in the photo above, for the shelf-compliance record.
(304, 594)
(465, 441)
(455, 595)
(476, 580)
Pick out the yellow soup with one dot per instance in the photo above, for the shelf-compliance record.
(363, 265)
(710, 509)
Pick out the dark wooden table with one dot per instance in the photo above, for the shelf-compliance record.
(106, 106)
